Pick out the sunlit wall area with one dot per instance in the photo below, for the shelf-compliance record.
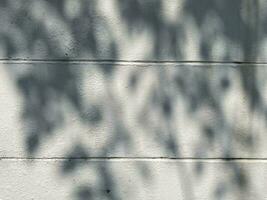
(181, 30)
(152, 99)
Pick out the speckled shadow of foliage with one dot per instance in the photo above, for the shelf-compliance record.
(44, 87)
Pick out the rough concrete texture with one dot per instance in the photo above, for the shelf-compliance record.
(152, 99)
(133, 179)
(146, 131)
(189, 30)
(98, 110)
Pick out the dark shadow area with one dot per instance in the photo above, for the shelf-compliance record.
(47, 88)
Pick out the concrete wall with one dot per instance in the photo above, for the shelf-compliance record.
(128, 99)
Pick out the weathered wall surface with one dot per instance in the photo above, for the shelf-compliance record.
(153, 99)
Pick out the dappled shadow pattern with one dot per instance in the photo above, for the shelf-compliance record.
(47, 88)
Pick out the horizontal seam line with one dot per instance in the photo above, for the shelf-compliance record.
(128, 158)
(103, 61)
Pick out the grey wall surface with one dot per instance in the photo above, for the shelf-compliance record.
(131, 99)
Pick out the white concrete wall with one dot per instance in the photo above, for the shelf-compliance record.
(152, 99)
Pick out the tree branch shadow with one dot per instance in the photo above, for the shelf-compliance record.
(45, 86)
